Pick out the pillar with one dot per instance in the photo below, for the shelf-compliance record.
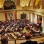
(35, 19)
(6, 17)
(32, 18)
(27, 16)
(14, 16)
(43, 24)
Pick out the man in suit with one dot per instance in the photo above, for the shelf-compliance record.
(41, 43)
(4, 40)
(28, 39)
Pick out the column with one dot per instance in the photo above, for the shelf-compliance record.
(14, 15)
(28, 16)
(35, 19)
(43, 24)
(32, 18)
(6, 17)
(18, 15)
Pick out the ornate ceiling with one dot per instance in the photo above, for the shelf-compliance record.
(23, 2)
(36, 4)
(27, 2)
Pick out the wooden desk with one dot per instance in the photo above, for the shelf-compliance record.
(14, 37)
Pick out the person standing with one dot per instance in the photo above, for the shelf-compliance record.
(28, 39)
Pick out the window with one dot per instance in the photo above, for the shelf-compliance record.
(8, 0)
(23, 16)
(5, 0)
(10, 15)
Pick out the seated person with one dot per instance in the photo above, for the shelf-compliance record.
(28, 39)
(18, 34)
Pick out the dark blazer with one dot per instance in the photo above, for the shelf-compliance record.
(30, 42)
(4, 40)
(41, 43)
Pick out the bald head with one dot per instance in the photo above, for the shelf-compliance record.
(27, 36)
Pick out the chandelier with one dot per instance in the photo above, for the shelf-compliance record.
(24, 3)
(1, 3)
(36, 2)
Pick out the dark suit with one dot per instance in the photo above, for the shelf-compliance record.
(4, 40)
(29, 42)
(41, 43)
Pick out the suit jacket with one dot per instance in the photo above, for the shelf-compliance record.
(4, 40)
(41, 43)
(30, 42)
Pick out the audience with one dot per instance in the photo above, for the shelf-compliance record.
(20, 28)
(26, 26)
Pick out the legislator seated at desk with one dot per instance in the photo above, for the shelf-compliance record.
(28, 39)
